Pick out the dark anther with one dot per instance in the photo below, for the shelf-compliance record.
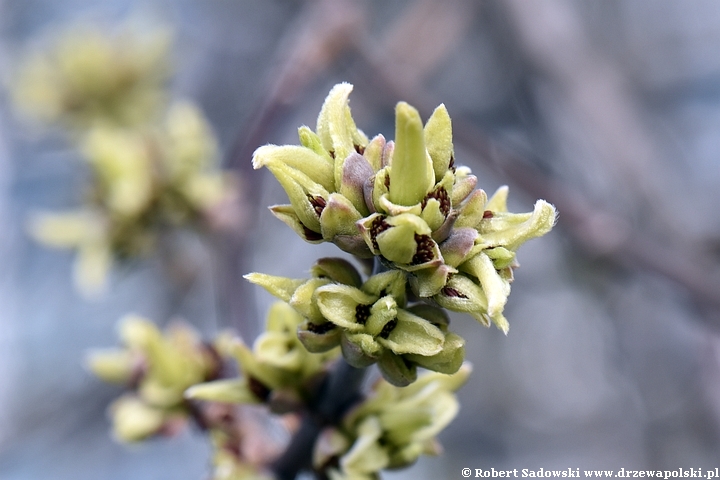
(311, 235)
(424, 252)
(487, 214)
(318, 203)
(320, 328)
(259, 389)
(332, 154)
(359, 149)
(362, 313)
(452, 292)
(441, 196)
(388, 328)
(451, 165)
(378, 226)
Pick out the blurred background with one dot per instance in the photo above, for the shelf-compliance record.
(609, 110)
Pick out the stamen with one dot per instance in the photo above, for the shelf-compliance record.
(441, 196)
(378, 226)
(311, 235)
(318, 203)
(388, 328)
(259, 389)
(320, 328)
(452, 292)
(362, 313)
(424, 252)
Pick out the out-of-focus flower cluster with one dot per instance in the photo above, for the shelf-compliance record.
(90, 76)
(391, 428)
(157, 367)
(406, 204)
(173, 378)
(277, 371)
(154, 165)
(145, 182)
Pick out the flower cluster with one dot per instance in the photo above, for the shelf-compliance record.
(90, 77)
(371, 321)
(405, 203)
(391, 428)
(153, 165)
(278, 370)
(158, 368)
(146, 182)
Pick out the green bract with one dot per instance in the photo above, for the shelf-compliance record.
(406, 204)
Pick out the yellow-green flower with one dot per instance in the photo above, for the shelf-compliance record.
(276, 370)
(370, 322)
(159, 367)
(391, 428)
(404, 203)
(146, 181)
(90, 77)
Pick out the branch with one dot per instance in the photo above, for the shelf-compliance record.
(340, 390)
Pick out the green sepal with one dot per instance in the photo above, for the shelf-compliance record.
(300, 190)
(438, 139)
(463, 295)
(233, 390)
(309, 139)
(360, 349)
(317, 167)
(315, 342)
(396, 370)
(367, 455)
(374, 152)
(390, 283)
(413, 334)
(356, 172)
(515, 234)
(436, 316)
(280, 287)
(134, 420)
(303, 299)
(495, 287)
(286, 213)
(336, 128)
(383, 311)
(448, 361)
(411, 172)
(113, 365)
(471, 213)
(338, 217)
(464, 185)
(338, 270)
(397, 243)
(338, 303)
(501, 257)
